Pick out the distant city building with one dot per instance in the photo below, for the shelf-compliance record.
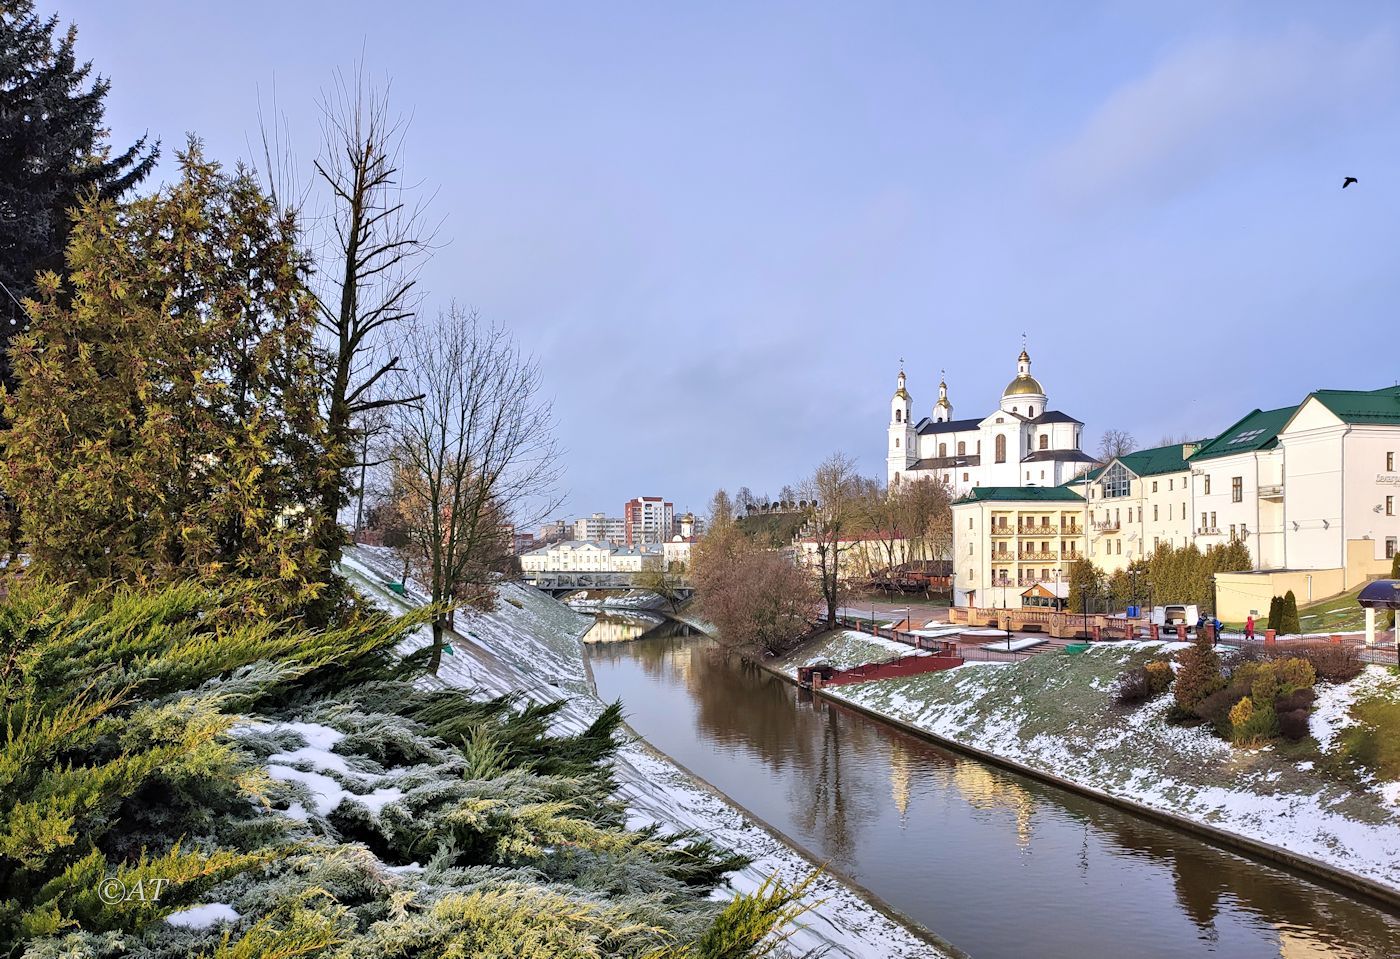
(574, 556)
(601, 528)
(676, 550)
(647, 519)
(555, 530)
(1021, 443)
(522, 543)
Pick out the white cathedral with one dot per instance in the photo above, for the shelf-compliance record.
(1022, 443)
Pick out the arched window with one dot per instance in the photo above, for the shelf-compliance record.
(1044, 441)
(1001, 448)
(1031, 411)
(899, 416)
(962, 449)
(942, 450)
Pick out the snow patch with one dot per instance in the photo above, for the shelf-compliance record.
(203, 917)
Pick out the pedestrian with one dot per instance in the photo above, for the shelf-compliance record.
(1249, 628)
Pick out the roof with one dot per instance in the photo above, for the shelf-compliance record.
(1362, 406)
(1055, 416)
(1024, 385)
(951, 426)
(946, 462)
(1255, 431)
(1065, 456)
(1382, 594)
(1154, 462)
(1021, 494)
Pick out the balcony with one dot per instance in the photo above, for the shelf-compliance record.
(1071, 530)
(1271, 491)
(1107, 525)
(1030, 529)
(1004, 531)
(1207, 531)
(1031, 556)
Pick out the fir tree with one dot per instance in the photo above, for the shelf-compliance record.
(1275, 612)
(53, 151)
(1288, 615)
(167, 421)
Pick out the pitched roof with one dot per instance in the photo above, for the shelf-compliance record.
(1254, 431)
(1055, 416)
(946, 462)
(951, 426)
(1064, 456)
(1154, 462)
(1362, 406)
(1021, 494)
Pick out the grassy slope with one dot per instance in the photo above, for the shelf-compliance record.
(1055, 713)
(843, 649)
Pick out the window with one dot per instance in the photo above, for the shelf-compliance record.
(1120, 547)
(1237, 489)
(1390, 506)
(942, 450)
(969, 522)
(969, 572)
(896, 444)
(1390, 462)
(1169, 511)
(1203, 522)
(1156, 541)
(964, 477)
(1154, 486)
(1171, 484)
(1030, 410)
(899, 416)
(1206, 478)
(1116, 481)
(1044, 441)
(1390, 547)
(1001, 449)
(962, 449)
(1212, 521)
(1044, 574)
(1154, 513)
(1232, 532)
(979, 447)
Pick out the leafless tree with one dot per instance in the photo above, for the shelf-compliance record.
(373, 237)
(1116, 443)
(475, 455)
(838, 490)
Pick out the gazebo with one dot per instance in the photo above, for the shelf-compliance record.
(1382, 594)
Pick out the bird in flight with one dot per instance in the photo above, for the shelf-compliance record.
(1348, 182)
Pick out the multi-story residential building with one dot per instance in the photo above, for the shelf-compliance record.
(647, 519)
(1008, 539)
(554, 531)
(1137, 502)
(601, 528)
(1021, 443)
(1237, 487)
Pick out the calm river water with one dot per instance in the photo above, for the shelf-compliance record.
(997, 864)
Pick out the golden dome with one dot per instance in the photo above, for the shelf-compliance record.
(1024, 357)
(1024, 385)
(942, 402)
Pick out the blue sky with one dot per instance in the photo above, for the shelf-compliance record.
(719, 226)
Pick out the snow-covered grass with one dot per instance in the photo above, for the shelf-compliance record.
(202, 917)
(845, 648)
(1054, 713)
(532, 644)
(1016, 645)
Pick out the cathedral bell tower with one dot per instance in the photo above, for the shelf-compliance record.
(942, 410)
(903, 443)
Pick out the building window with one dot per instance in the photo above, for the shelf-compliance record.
(969, 522)
(1390, 506)
(964, 477)
(896, 444)
(1171, 484)
(1154, 513)
(1116, 481)
(1204, 527)
(962, 449)
(1237, 489)
(1390, 462)
(1154, 486)
(1001, 449)
(979, 447)
(899, 416)
(1232, 532)
(1390, 547)
(1156, 541)
(1120, 547)
(1206, 478)
(942, 450)
(1031, 410)
(1044, 441)
(1212, 521)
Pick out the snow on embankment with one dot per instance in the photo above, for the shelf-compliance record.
(532, 644)
(1055, 713)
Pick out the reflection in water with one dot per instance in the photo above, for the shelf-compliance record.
(989, 860)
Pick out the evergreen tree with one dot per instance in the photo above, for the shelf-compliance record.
(53, 150)
(166, 423)
(1275, 612)
(1288, 615)
(1086, 585)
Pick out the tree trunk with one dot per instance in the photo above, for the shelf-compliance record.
(439, 630)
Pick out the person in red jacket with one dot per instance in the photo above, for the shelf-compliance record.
(1249, 628)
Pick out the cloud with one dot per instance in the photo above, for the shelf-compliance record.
(1213, 104)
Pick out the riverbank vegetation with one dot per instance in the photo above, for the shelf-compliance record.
(209, 743)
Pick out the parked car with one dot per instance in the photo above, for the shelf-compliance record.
(1170, 616)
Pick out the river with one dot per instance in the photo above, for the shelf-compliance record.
(995, 863)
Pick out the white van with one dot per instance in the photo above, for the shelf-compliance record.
(1167, 617)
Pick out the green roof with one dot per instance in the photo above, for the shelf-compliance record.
(1363, 406)
(1256, 431)
(1021, 494)
(1154, 462)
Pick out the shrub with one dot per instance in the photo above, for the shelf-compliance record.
(1240, 715)
(1216, 707)
(1334, 663)
(1159, 675)
(1293, 673)
(1288, 615)
(1296, 699)
(1293, 724)
(1252, 722)
(1133, 686)
(1200, 674)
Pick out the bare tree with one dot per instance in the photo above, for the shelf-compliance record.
(374, 239)
(837, 489)
(1116, 443)
(928, 516)
(475, 454)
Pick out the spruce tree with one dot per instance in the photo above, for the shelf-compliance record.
(1275, 611)
(53, 150)
(1288, 615)
(167, 423)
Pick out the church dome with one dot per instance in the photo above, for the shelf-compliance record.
(1024, 385)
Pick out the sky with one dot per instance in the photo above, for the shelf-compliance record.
(720, 227)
